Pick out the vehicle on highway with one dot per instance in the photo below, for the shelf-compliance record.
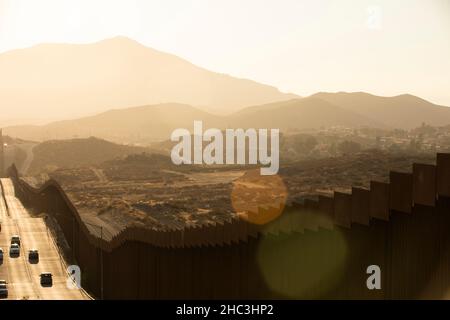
(33, 255)
(1, 254)
(15, 239)
(3, 289)
(46, 279)
(14, 249)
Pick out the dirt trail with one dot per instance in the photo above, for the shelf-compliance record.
(100, 175)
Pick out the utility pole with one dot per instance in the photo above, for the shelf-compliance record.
(2, 155)
(101, 263)
(73, 239)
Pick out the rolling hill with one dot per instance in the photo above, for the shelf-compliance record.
(77, 152)
(147, 124)
(306, 113)
(138, 125)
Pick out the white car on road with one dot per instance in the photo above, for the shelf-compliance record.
(14, 249)
(3, 289)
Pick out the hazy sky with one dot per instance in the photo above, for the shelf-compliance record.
(385, 47)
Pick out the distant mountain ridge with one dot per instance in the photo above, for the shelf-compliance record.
(63, 81)
(147, 124)
(403, 111)
(306, 113)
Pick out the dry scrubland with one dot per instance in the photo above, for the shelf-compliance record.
(147, 189)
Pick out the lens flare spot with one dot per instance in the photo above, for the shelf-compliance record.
(303, 266)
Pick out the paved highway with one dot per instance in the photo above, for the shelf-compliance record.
(21, 275)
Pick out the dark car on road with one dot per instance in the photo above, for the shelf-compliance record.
(33, 256)
(46, 279)
(15, 239)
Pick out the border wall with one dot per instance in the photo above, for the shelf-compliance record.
(313, 250)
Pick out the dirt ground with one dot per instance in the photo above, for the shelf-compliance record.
(116, 194)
